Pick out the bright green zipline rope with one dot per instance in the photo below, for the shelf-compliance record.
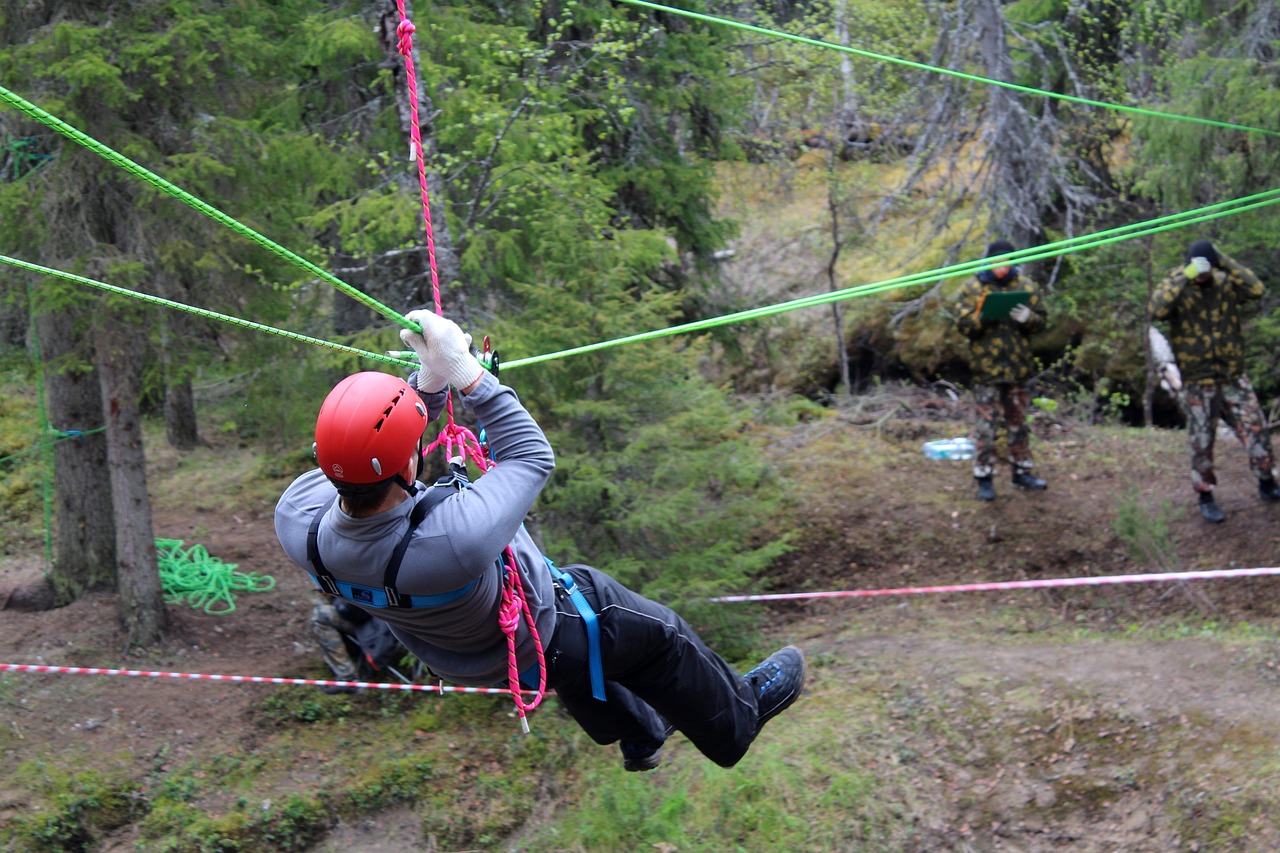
(729, 22)
(204, 582)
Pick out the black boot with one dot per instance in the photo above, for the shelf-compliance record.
(639, 756)
(1210, 510)
(1269, 490)
(777, 682)
(986, 491)
(1027, 480)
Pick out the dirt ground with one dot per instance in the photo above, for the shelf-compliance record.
(1068, 733)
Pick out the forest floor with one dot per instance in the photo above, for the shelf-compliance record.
(1140, 717)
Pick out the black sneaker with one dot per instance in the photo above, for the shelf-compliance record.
(639, 757)
(777, 683)
(1269, 490)
(1210, 510)
(1027, 480)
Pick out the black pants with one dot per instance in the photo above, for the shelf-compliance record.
(656, 671)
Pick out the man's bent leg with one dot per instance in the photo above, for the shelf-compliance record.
(652, 652)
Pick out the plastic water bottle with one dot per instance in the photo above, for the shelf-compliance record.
(959, 447)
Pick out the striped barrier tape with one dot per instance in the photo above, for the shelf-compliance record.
(253, 679)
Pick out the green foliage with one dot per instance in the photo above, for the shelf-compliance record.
(1185, 165)
(80, 807)
(661, 484)
(293, 824)
(22, 456)
(1148, 535)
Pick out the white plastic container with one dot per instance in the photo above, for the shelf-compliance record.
(959, 447)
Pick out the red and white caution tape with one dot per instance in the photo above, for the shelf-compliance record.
(1158, 577)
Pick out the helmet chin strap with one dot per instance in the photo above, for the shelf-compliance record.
(411, 488)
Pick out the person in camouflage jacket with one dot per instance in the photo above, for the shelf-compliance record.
(1201, 303)
(1002, 364)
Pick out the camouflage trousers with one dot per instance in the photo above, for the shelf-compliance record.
(326, 623)
(1237, 405)
(1005, 403)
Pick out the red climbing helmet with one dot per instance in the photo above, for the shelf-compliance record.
(368, 428)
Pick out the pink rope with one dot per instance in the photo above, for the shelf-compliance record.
(454, 436)
(515, 604)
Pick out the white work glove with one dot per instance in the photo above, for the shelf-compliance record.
(1020, 313)
(1162, 354)
(1170, 377)
(444, 351)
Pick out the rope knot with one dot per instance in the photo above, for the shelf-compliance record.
(509, 613)
(405, 33)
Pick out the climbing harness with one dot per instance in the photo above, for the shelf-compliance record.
(386, 596)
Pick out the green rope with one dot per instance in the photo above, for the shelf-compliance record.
(960, 74)
(204, 582)
(1049, 250)
(138, 171)
(202, 312)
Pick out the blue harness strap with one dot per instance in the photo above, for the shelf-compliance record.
(594, 662)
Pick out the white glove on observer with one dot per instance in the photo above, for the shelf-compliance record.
(1020, 313)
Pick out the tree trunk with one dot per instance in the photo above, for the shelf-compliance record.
(142, 612)
(84, 555)
(179, 403)
(848, 120)
(833, 284)
(180, 415)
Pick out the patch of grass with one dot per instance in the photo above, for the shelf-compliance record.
(1147, 533)
(293, 824)
(79, 808)
(299, 706)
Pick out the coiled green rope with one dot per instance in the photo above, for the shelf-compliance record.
(202, 581)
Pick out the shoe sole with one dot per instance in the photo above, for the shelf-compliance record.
(644, 764)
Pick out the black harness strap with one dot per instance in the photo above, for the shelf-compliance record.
(431, 496)
(323, 576)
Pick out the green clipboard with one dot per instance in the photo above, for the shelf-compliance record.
(997, 304)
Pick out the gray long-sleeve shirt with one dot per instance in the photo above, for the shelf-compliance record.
(457, 543)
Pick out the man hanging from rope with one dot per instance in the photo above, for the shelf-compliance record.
(627, 669)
